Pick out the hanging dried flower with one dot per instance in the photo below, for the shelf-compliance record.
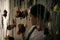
(9, 27)
(22, 14)
(5, 13)
(21, 28)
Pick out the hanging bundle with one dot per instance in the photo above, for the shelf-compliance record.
(25, 13)
(17, 13)
(21, 28)
(9, 27)
(5, 13)
(22, 14)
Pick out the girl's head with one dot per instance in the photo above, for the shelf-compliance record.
(37, 13)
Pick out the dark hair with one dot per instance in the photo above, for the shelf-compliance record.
(5, 11)
(47, 16)
(40, 9)
(37, 10)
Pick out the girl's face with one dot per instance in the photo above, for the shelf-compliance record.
(34, 22)
(33, 19)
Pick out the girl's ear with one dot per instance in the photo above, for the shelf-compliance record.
(39, 27)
